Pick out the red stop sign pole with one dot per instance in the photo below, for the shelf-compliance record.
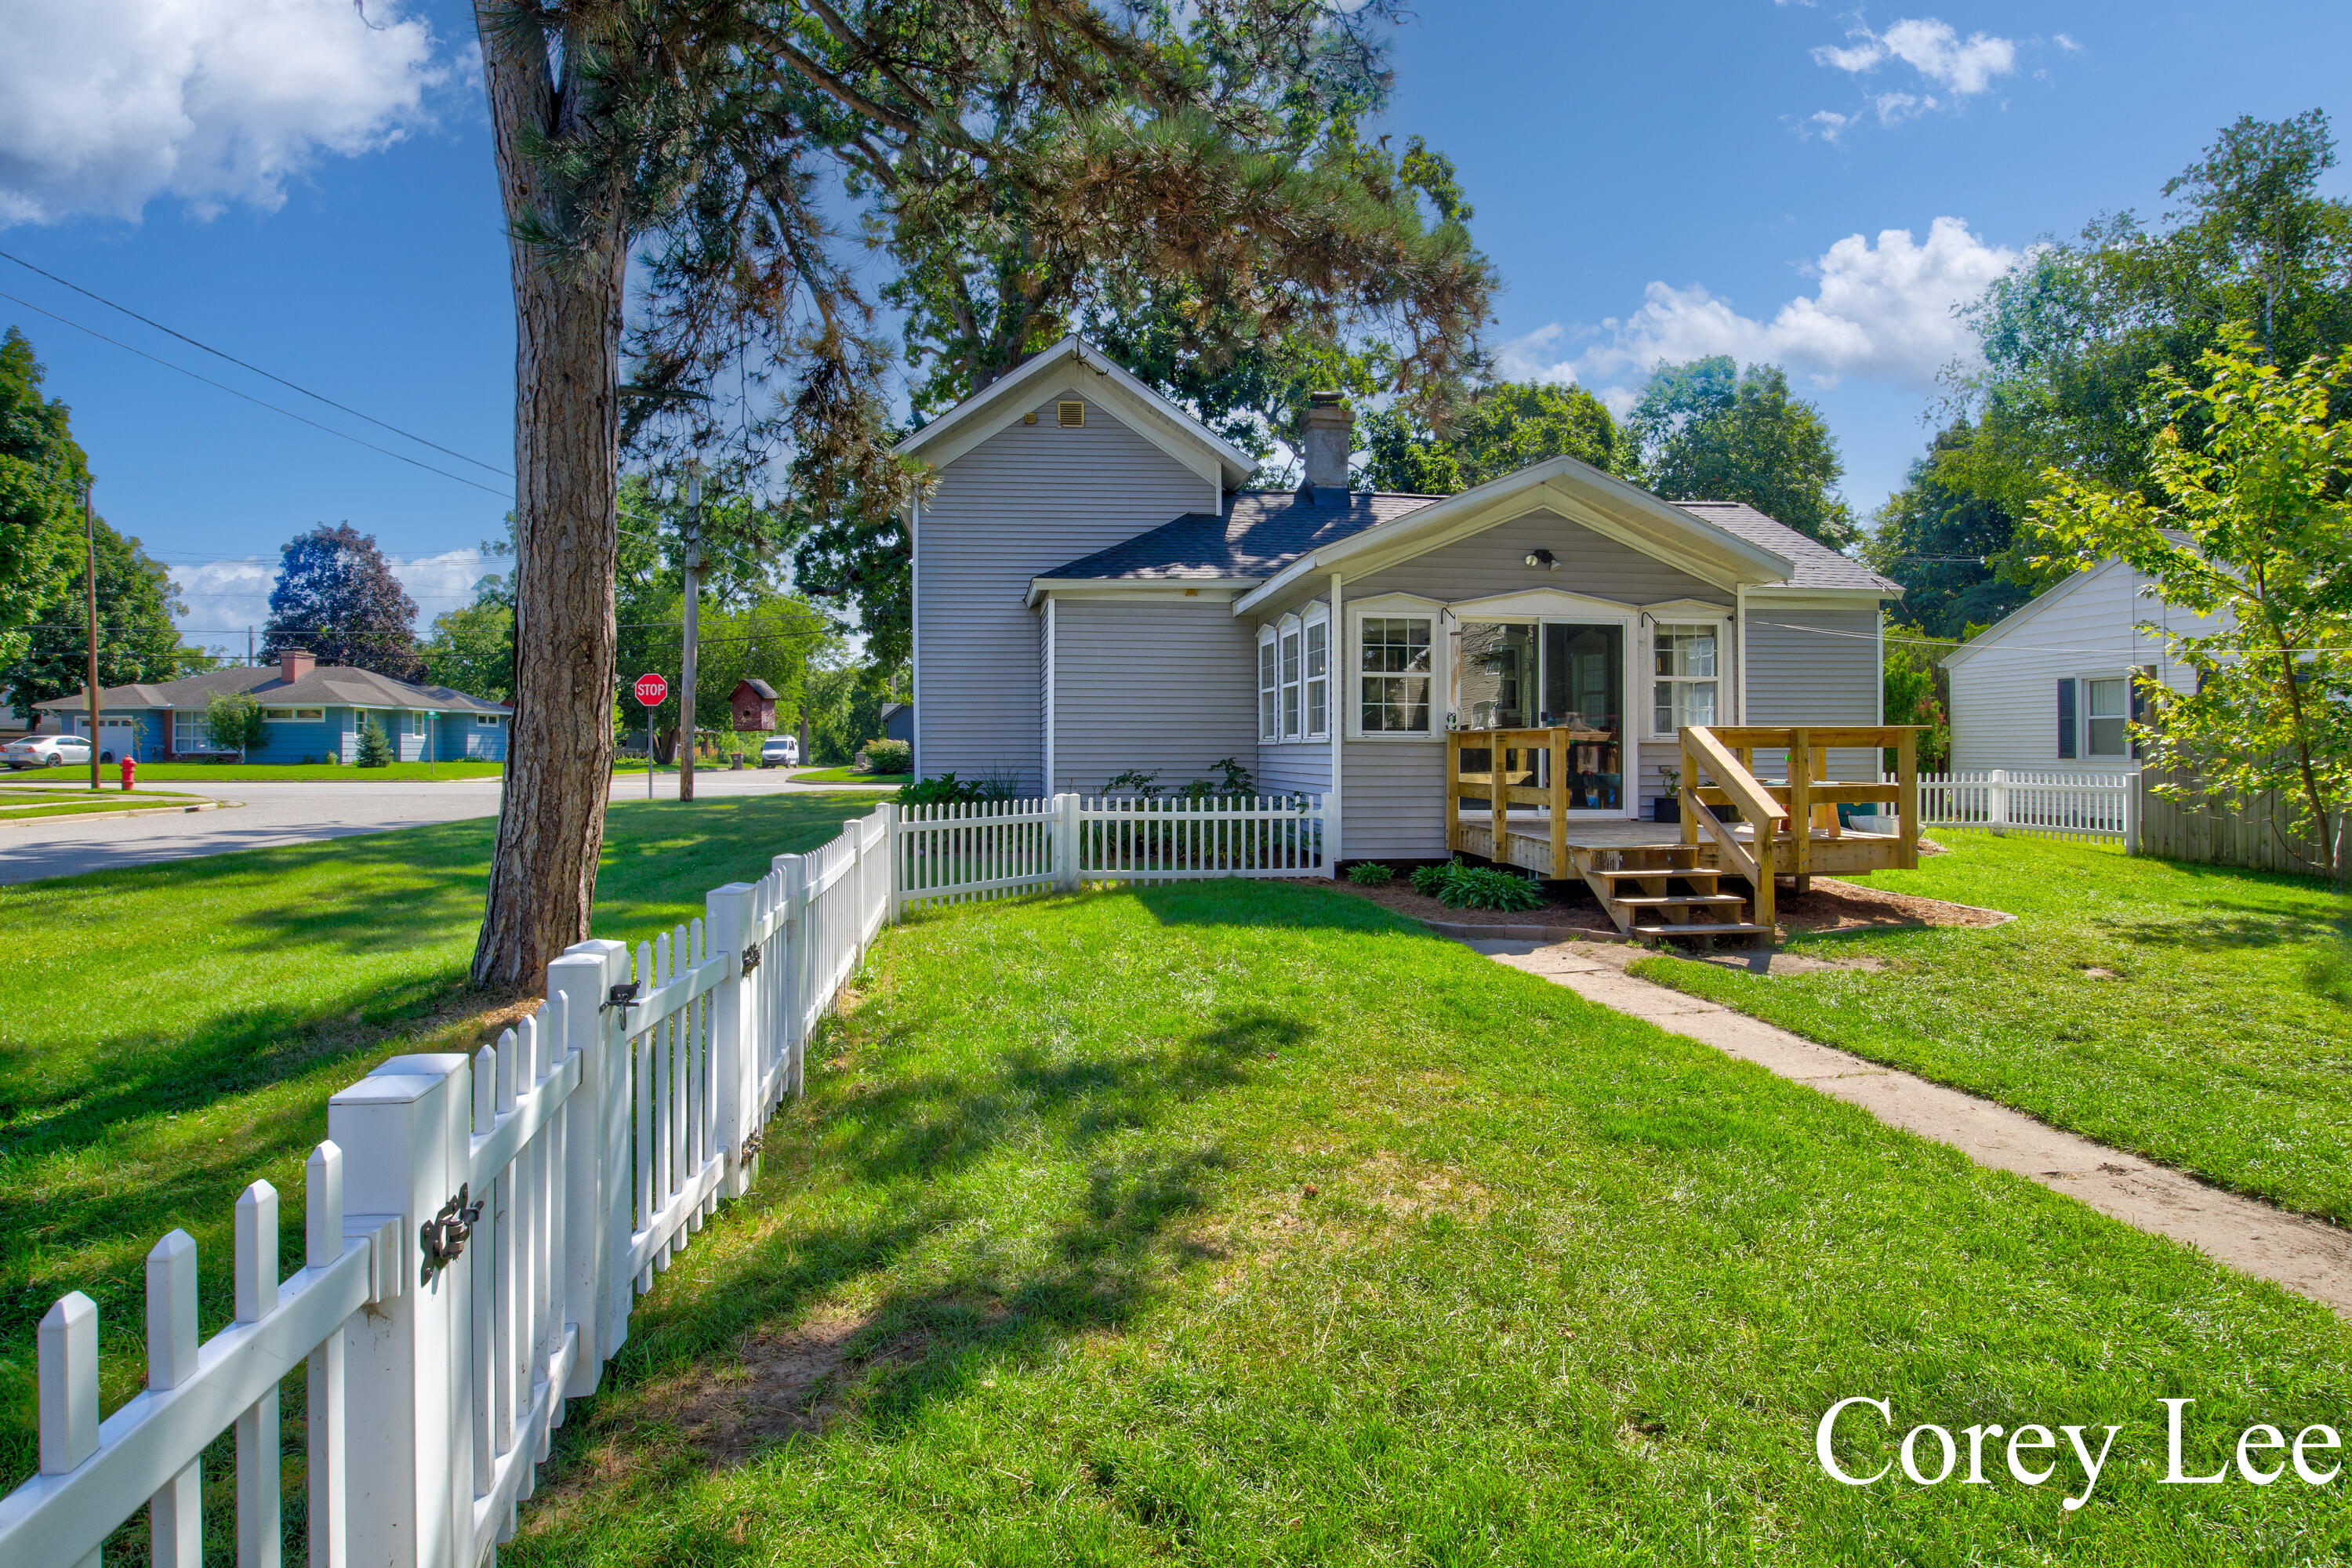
(650, 690)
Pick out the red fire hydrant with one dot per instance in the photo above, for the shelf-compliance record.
(130, 772)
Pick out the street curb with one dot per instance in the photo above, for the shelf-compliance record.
(141, 811)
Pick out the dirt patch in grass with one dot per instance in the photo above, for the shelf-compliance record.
(1567, 906)
(1834, 905)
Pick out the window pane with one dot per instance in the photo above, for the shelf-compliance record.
(1498, 675)
(2106, 737)
(1318, 639)
(1684, 651)
(1396, 644)
(2107, 698)
(1318, 706)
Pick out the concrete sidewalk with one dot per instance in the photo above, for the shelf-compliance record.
(2307, 1256)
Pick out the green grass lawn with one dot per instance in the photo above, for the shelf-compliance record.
(1246, 1224)
(850, 776)
(279, 773)
(2198, 1015)
(18, 806)
(190, 1020)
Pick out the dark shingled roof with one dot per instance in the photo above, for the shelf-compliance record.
(1260, 532)
(759, 688)
(1817, 566)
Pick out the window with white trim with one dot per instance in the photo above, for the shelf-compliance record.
(1317, 645)
(1394, 674)
(294, 715)
(1685, 663)
(2107, 704)
(416, 723)
(490, 719)
(188, 729)
(1268, 683)
(1291, 694)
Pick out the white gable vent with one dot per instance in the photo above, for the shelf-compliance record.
(1070, 414)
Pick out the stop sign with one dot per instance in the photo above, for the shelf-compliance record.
(651, 689)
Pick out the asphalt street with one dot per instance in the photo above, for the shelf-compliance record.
(265, 813)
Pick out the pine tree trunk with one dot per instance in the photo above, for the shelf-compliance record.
(567, 364)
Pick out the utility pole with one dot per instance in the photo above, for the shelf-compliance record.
(693, 604)
(89, 582)
(249, 648)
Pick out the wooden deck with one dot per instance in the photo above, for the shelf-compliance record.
(1661, 881)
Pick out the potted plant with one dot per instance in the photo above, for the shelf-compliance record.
(1668, 808)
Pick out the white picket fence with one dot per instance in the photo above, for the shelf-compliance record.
(2054, 804)
(950, 854)
(477, 1230)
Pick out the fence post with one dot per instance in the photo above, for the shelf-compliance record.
(175, 1520)
(328, 1473)
(726, 925)
(1066, 843)
(793, 871)
(1997, 800)
(407, 1368)
(580, 1296)
(888, 812)
(66, 1349)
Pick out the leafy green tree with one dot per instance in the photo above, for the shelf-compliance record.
(2071, 337)
(42, 473)
(471, 648)
(844, 700)
(1960, 558)
(2250, 523)
(232, 723)
(1707, 430)
(1918, 689)
(137, 639)
(337, 599)
(1505, 427)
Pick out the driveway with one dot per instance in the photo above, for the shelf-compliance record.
(270, 813)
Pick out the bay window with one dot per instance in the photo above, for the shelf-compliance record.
(1290, 673)
(1318, 680)
(1269, 727)
(1685, 667)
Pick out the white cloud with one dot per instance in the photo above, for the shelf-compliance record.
(226, 596)
(2065, 43)
(1954, 68)
(107, 104)
(1882, 311)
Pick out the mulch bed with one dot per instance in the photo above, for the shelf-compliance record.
(1831, 905)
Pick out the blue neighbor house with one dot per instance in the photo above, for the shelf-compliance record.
(310, 713)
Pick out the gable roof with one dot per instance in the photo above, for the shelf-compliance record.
(326, 686)
(759, 688)
(1007, 397)
(2056, 593)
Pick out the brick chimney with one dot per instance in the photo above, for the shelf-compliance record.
(1330, 436)
(293, 664)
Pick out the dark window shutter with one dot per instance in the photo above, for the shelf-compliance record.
(2065, 719)
(2140, 703)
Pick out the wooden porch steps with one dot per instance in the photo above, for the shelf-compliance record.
(1728, 928)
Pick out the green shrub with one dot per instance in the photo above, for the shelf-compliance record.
(375, 746)
(1429, 881)
(1489, 888)
(945, 789)
(1369, 874)
(888, 756)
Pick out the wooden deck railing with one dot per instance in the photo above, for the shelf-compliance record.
(1788, 813)
(1550, 786)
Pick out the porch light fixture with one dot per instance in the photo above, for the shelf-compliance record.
(1544, 559)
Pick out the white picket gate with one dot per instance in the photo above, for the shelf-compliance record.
(2054, 804)
(477, 1230)
(951, 854)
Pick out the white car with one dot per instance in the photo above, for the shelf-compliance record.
(780, 751)
(46, 752)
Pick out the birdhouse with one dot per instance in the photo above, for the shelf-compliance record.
(754, 703)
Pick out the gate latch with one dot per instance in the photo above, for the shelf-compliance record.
(443, 1236)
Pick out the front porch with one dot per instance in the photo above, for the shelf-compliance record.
(1658, 880)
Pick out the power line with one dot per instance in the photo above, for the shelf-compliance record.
(246, 364)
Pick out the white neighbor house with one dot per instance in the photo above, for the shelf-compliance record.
(2050, 687)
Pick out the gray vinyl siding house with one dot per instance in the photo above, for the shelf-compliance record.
(1095, 594)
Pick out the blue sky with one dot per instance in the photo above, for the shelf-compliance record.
(1804, 184)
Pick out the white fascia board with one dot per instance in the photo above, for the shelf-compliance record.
(1004, 400)
(1786, 594)
(1133, 587)
(2024, 613)
(1608, 506)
